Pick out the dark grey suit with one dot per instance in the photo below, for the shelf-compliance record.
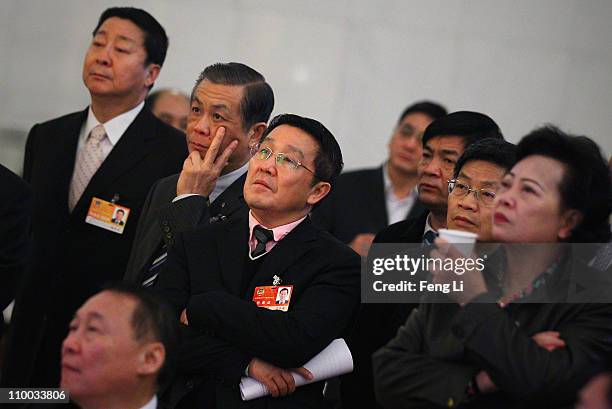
(161, 220)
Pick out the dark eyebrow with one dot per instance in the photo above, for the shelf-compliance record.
(449, 152)
(120, 37)
(222, 107)
(484, 182)
(296, 150)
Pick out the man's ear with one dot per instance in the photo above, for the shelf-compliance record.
(151, 358)
(318, 192)
(256, 132)
(152, 74)
(570, 219)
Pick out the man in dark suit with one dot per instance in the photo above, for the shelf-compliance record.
(126, 372)
(368, 200)
(214, 274)
(444, 141)
(113, 151)
(15, 215)
(230, 107)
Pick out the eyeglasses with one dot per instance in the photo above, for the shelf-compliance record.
(263, 152)
(460, 189)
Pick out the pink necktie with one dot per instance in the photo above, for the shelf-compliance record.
(89, 159)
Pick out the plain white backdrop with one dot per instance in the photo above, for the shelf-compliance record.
(354, 65)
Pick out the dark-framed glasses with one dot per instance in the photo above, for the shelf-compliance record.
(458, 188)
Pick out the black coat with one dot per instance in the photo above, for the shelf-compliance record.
(162, 219)
(357, 205)
(15, 211)
(442, 347)
(205, 273)
(377, 324)
(72, 259)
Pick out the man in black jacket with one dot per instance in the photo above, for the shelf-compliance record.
(223, 279)
(230, 107)
(81, 168)
(444, 141)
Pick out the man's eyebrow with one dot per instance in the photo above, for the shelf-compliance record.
(131, 40)
(221, 107)
(463, 175)
(449, 152)
(296, 150)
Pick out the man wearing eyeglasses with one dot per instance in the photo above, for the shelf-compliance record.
(223, 279)
(477, 176)
(229, 109)
(444, 141)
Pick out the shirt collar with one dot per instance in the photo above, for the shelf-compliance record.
(279, 232)
(115, 127)
(224, 181)
(428, 225)
(152, 404)
(388, 186)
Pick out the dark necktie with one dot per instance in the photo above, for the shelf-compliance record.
(262, 236)
(429, 237)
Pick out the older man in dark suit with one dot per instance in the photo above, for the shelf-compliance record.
(230, 107)
(82, 167)
(224, 278)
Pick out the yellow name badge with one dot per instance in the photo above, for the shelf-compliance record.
(107, 215)
(273, 297)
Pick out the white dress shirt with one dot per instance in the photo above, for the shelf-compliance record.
(114, 128)
(397, 209)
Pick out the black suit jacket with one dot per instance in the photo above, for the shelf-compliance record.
(357, 205)
(71, 259)
(161, 220)
(15, 210)
(377, 324)
(442, 347)
(205, 273)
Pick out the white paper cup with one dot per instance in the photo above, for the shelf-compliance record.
(462, 240)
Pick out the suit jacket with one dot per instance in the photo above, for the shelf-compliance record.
(377, 324)
(161, 220)
(72, 259)
(442, 347)
(15, 210)
(205, 273)
(357, 205)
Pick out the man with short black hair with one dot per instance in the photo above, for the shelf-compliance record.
(230, 107)
(368, 200)
(121, 346)
(82, 167)
(444, 141)
(224, 278)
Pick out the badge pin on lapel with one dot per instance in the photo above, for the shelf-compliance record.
(276, 280)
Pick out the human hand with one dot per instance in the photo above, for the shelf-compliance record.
(470, 279)
(362, 243)
(199, 175)
(484, 383)
(549, 340)
(183, 318)
(279, 381)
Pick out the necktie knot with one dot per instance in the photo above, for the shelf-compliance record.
(429, 237)
(262, 236)
(97, 134)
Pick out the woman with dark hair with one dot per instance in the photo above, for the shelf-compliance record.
(512, 339)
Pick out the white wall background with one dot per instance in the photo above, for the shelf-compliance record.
(354, 65)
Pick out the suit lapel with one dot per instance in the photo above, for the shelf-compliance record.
(230, 200)
(232, 247)
(378, 204)
(284, 254)
(132, 147)
(65, 157)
